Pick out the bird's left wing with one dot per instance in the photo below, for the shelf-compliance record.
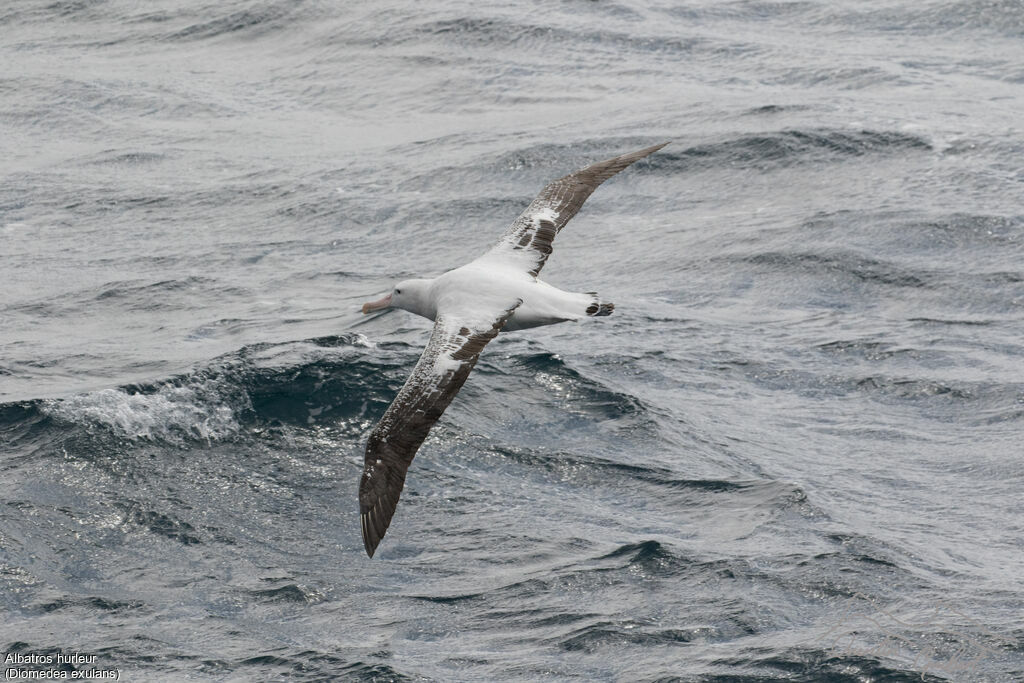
(528, 241)
(453, 349)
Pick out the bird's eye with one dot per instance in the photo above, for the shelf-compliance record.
(398, 291)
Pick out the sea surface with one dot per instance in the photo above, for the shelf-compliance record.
(794, 453)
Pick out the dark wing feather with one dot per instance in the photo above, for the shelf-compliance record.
(450, 355)
(530, 236)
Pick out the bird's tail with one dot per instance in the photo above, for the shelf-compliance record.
(598, 307)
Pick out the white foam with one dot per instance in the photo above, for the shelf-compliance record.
(172, 413)
(361, 340)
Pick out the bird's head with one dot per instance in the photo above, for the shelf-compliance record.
(407, 294)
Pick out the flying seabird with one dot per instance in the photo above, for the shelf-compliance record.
(469, 306)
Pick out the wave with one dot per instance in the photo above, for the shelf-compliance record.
(580, 394)
(496, 32)
(183, 24)
(1001, 17)
(930, 238)
(846, 264)
(589, 470)
(342, 381)
(762, 151)
(604, 634)
(264, 383)
(145, 295)
(265, 18)
(311, 665)
(781, 147)
(196, 411)
(994, 16)
(286, 592)
(787, 147)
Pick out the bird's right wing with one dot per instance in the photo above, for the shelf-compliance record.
(528, 240)
(451, 353)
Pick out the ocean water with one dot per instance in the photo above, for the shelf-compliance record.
(793, 453)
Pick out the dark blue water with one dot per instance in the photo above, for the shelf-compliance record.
(793, 453)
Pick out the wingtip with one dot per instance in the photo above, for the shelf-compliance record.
(370, 541)
(653, 148)
(608, 168)
(370, 544)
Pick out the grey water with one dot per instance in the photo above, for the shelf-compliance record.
(793, 453)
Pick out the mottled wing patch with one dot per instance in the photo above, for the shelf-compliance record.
(539, 239)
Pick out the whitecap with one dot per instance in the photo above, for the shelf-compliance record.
(174, 413)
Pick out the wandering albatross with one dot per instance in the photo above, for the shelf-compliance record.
(469, 306)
